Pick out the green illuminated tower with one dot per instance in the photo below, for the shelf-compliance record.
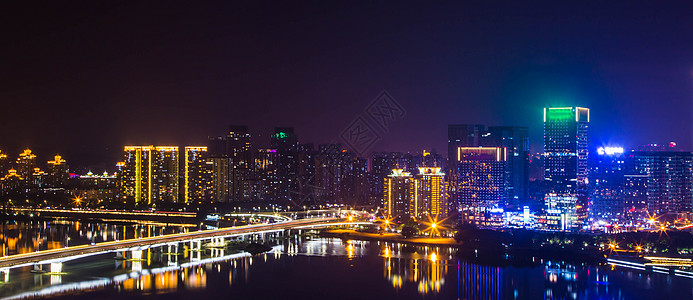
(565, 163)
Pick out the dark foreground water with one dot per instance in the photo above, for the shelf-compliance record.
(326, 268)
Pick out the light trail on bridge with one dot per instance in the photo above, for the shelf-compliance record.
(70, 253)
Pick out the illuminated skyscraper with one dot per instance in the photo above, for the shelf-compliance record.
(607, 183)
(198, 168)
(663, 180)
(26, 162)
(565, 162)
(463, 135)
(398, 193)
(150, 174)
(516, 142)
(306, 172)
(481, 181)
(286, 142)
(460, 135)
(429, 195)
(57, 172)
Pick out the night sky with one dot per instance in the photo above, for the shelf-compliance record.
(85, 78)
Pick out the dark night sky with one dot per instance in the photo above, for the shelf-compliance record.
(85, 78)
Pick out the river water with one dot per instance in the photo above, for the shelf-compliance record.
(305, 267)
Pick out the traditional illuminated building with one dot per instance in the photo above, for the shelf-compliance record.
(481, 182)
(38, 179)
(398, 193)
(57, 172)
(565, 162)
(198, 175)
(429, 196)
(11, 182)
(150, 174)
(94, 188)
(4, 163)
(26, 162)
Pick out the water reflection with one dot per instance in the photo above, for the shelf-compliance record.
(23, 237)
(420, 266)
(336, 268)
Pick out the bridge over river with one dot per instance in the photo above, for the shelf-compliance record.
(55, 257)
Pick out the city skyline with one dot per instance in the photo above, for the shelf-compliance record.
(346, 149)
(326, 71)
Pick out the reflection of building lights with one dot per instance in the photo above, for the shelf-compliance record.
(434, 257)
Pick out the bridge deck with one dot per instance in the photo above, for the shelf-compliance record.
(83, 250)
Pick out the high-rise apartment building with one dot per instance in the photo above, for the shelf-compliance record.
(267, 180)
(232, 164)
(57, 172)
(239, 151)
(198, 175)
(661, 182)
(285, 141)
(398, 193)
(429, 193)
(4, 164)
(565, 162)
(420, 196)
(150, 174)
(26, 162)
(382, 164)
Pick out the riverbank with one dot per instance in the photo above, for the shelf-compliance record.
(389, 237)
(486, 253)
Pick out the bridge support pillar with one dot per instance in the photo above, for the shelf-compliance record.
(136, 255)
(5, 274)
(195, 250)
(173, 259)
(38, 268)
(56, 268)
(172, 248)
(216, 252)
